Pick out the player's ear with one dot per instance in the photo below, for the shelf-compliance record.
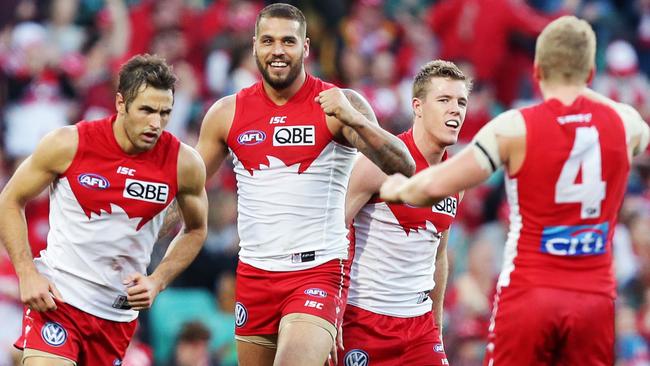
(120, 104)
(537, 72)
(306, 47)
(416, 104)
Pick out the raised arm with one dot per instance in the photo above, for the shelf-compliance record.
(52, 157)
(359, 127)
(193, 205)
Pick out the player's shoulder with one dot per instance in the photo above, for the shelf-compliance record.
(191, 169)
(57, 149)
(220, 115)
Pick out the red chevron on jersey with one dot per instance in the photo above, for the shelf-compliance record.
(413, 218)
(295, 133)
(102, 175)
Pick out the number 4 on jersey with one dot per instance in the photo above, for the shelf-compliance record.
(584, 159)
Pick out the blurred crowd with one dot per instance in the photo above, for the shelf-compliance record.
(58, 63)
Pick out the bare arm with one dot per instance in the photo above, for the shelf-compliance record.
(211, 147)
(440, 278)
(193, 205)
(52, 156)
(365, 180)
(436, 182)
(361, 130)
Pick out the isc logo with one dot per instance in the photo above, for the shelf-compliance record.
(294, 136)
(93, 181)
(314, 304)
(146, 191)
(252, 137)
(447, 206)
(278, 120)
(577, 240)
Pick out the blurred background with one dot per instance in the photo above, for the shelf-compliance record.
(58, 64)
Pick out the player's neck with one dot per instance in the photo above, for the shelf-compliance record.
(122, 139)
(430, 148)
(565, 93)
(282, 96)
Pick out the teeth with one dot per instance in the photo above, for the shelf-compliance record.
(453, 124)
(278, 64)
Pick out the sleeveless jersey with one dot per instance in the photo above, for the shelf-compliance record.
(105, 213)
(291, 180)
(565, 198)
(395, 248)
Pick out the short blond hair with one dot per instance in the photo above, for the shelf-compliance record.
(437, 69)
(566, 51)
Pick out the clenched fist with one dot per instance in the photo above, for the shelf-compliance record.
(335, 104)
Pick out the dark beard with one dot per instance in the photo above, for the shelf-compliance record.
(279, 84)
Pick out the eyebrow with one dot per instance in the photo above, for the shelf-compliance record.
(151, 109)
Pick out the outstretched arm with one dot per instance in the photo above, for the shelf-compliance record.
(193, 205)
(361, 130)
(52, 156)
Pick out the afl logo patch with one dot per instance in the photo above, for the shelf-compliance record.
(316, 292)
(93, 181)
(252, 137)
(54, 334)
(356, 357)
(438, 348)
(241, 314)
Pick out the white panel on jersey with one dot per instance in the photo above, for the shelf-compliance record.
(391, 272)
(87, 259)
(282, 213)
(513, 234)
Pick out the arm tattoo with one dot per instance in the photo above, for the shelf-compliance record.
(385, 150)
(172, 218)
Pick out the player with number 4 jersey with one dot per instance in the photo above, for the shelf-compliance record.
(566, 160)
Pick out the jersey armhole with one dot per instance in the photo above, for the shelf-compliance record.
(235, 118)
(78, 155)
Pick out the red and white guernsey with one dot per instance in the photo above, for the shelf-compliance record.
(291, 180)
(395, 248)
(565, 198)
(105, 213)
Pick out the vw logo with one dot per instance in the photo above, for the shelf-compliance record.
(356, 357)
(54, 334)
(241, 314)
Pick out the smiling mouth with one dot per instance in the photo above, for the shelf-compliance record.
(452, 123)
(278, 64)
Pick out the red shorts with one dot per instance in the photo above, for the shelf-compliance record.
(264, 297)
(373, 339)
(76, 335)
(548, 326)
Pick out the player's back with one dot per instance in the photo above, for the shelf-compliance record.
(291, 180)
(565, 197)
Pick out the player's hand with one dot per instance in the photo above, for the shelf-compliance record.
(335, 104)
(141, 291)
(389, 191)
(338, 344)
(38, 293)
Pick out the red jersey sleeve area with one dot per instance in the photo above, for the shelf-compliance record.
(295, 133)
(102, 175)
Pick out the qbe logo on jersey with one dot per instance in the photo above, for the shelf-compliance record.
(294, 136)
(447, 206)
(579, 240)
(146, 191)
(54, 334)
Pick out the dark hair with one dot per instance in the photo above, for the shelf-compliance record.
(437, 69)
(193, 331)
(149, 70)
(284, 11)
